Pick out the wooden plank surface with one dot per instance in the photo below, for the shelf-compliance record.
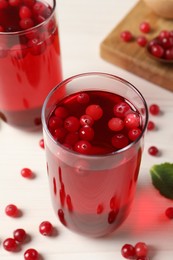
(131, 56)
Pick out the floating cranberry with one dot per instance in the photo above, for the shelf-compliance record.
(26, 23)
(126, 36)
(14, 2)
(145, 27)
(83, 98)
(26, 173)
(46, 228)
(86, 120)
(121, 109)
(128, 251)
(38, 8)
(151, 125)
(11, 210)
(141, 249)
(119, 141)
(24, 12)
(169, 212)
(132, 120)
(29, 3)
(10, 244)
(19, 235)
(71, 138)
(59, 134)
(134, 133)
(61, 112)
(54, 122)
(71, 124)
(153, 150)
(95, 111)
(116, 124)
(31, 254)
(142, 41)
(82, 146)
(154, 109)
(86, 133)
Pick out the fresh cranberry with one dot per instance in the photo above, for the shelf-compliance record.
(14, 2)
(41, 143)
(61, 112)
(11, 210)
(46, 228)
(31, 254)
(3, 4)
(163, 34)
(169, 54)
(157, 51)
(116, 124)
(151, 125)
(26, 173)
(154, 109)
(153, 150)
(26, 23)
(82, 147)
(95, 111)
(167, 42)
(169, 212)
(121, 109)
(132, 120)
(86, 133)
(141, 249)
(71, 124)
(134, 133)
(71, 138)
(86, 120)
(142, 41)
(145, 27)
(25, 12)
(119, 141)
(83, 98)
(126, 36)
(19, 235)
(128, 251)
(54, 122)
(59, 134)
(10, 244)
(29, 3)
(38, 8)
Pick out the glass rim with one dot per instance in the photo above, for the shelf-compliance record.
(103, 74)
(33, 27)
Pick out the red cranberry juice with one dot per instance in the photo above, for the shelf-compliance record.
(92, 191)
(30, 64)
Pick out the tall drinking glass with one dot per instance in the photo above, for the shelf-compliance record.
(93, 173)
(30, 62)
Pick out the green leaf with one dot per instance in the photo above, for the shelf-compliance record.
(162, 178)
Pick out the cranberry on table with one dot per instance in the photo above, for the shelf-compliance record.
(46, 228)
(31, 254)
(142, 41)
(169, 212)
(26, 173)
(128, 251)
(19, 235)
(11, 210)
(151, 125)
(153, 150)
(10, 244)
(154, 109)
(141, 249)
(145, 27)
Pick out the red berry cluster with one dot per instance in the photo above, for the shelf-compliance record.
(154, 110)
(21, 15)
(138, 252)
(79, 133)
(162, 45)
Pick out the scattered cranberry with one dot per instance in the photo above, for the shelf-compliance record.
(154, 109)
(19, 235)
(31, 254)
(10, 244)
(142, 41)
(41, 143)
(46, 228)
(11, 210)
(141, 249)
(128, 251)
(95, 111)
(126, 36)
(26, 173)
(153, 150)
(169, 212)
(151, 125)
(145, 27)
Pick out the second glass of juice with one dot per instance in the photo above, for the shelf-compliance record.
(94, 126)
(30, 62)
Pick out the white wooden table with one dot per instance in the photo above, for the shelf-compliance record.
(83, 25)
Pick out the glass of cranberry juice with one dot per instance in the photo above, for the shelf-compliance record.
(93, 126)
(30, 62)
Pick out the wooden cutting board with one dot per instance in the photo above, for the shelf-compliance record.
(131, 56)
